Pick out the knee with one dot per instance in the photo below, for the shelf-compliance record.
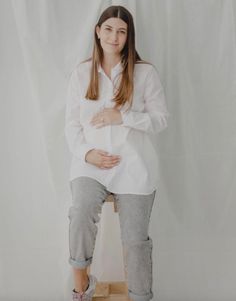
(134, 234)
(138, 244)
(84, 213)
(77, 212)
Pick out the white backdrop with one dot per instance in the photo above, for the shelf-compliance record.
(192, 44)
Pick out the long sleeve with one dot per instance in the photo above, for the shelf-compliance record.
(154, 118)
(73, 128)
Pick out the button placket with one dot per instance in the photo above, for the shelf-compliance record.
(108, 102)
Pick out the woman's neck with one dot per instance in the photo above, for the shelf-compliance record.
(109, 62)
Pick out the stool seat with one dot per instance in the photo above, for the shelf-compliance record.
(111, 198)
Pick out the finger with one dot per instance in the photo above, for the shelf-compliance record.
(111, 162)
(107, 165)
(108, 109)
(109, 158)
(98, 126)
(103, 152)
(95, 120)
(106, 155)
(97, 116)
(113, 157)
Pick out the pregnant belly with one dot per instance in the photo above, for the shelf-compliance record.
(111, 137)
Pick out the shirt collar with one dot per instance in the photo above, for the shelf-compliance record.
(115, 70)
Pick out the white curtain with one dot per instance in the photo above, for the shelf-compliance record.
(192, 44)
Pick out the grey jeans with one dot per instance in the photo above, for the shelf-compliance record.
(88, 196)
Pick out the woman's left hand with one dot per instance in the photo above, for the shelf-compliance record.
(106, 117)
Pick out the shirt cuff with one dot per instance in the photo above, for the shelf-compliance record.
(83, 149)
(137, 120)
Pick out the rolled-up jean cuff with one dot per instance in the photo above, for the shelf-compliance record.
(80, 264)
(135, 297)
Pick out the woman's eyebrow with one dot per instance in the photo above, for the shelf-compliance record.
(118, 28)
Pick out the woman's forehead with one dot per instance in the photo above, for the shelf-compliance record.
(116, 23)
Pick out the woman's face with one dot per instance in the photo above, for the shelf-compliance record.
(112, 35)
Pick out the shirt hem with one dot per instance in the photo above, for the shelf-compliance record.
(113, 190)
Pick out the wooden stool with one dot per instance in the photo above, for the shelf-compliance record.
(112, 290)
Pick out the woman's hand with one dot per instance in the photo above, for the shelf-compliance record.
(102, 159)
(105, 117)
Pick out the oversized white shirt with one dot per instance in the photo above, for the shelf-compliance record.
(137, 172)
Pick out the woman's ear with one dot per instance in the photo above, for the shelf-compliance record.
(98, 31)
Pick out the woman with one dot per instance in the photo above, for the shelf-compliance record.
(115, 101)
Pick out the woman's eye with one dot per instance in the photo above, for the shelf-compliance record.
(119, 31)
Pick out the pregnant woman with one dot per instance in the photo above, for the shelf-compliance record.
(115, 101)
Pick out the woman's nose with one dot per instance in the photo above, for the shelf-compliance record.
(114, 37)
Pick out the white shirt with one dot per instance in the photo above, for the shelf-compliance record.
(137, 171)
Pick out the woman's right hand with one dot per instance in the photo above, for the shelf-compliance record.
(102, 159)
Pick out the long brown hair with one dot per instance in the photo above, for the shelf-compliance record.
(129, 57)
